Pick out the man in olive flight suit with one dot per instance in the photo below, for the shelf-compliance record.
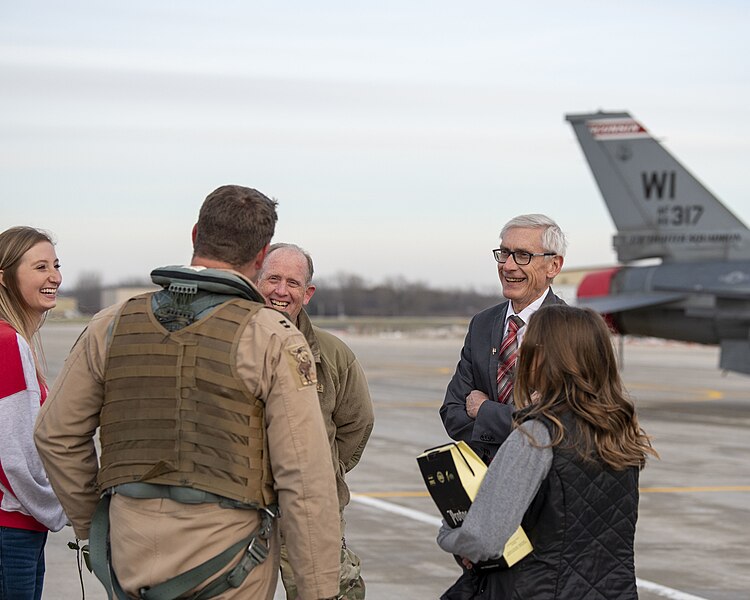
(286, 281)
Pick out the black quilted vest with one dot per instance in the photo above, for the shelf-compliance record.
(582, 526)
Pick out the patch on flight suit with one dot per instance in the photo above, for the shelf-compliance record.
(301, 363)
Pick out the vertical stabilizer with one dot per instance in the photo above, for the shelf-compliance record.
(659, 208)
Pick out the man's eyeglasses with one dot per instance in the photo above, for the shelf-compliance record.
(520, 257)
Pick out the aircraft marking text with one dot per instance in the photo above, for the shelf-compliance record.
(608, 129)
(677, 215)
(679, 238)
(659, 183)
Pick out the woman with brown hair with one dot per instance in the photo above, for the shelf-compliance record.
(568, 473)
(29, 279)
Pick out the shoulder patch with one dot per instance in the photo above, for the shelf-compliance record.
(302, 366)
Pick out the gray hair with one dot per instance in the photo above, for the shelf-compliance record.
(553, 238)
(281, 245)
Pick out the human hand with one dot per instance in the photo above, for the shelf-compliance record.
(466, 563)
(474, 400)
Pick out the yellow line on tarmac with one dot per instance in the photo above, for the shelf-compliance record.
(643, 490)
(705, 488)
(697, 395)
(393, 494)
(691, 395)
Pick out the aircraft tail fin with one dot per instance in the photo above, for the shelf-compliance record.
(659, 208)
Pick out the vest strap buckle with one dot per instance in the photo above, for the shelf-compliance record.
(255, 554)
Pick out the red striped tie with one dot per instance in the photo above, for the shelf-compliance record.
(507, 360)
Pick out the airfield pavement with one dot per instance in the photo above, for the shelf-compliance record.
(694, 523)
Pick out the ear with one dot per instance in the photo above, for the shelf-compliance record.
(2, 278)
(308, 294)
(260, 257)
(554, 266)
(195, 232)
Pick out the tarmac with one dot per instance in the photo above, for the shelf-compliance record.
(694, 515)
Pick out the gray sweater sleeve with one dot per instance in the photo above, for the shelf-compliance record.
(508, 488)
(30, 492)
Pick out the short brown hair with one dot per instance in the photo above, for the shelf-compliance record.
(234, 224)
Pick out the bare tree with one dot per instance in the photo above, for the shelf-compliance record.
(88, 292)
(349, 295)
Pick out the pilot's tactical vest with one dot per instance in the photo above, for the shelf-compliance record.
(176, 413)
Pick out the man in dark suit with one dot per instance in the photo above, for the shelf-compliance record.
(531, 254)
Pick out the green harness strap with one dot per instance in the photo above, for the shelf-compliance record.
(99, 547)
(255, 553)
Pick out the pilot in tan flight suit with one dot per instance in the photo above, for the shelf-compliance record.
(209, 420)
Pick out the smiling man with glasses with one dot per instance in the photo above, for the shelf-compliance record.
(478, 403)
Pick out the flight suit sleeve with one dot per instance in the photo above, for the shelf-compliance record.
(67, 422)
(299, 451)
(353, 416)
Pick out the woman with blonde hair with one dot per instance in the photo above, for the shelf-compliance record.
(29, 279)
(568, 473)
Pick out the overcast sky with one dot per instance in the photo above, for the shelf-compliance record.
(398, 137)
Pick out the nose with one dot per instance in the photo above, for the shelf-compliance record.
(281, 288)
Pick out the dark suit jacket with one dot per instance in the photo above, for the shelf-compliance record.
(477, 370)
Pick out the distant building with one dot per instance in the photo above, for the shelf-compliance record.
(115, 294)
(93, 300)
(66, 308)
